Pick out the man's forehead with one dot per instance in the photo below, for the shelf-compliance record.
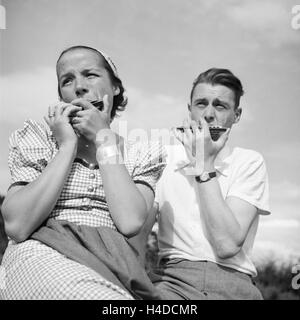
(207, 90)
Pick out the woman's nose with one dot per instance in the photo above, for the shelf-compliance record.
(81, 88)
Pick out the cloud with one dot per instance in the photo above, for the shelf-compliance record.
(153, 110)
(286, 190)
(27, 94)
(270, 251)
(269, 20)
(277, 239)
(281, 223)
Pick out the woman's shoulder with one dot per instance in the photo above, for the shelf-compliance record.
(145, 150)
(32, 133)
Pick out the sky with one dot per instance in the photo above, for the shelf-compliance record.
(159, 47)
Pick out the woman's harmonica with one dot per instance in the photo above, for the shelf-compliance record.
(215, 132)
(98, 104)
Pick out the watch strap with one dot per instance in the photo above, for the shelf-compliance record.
(210, 175)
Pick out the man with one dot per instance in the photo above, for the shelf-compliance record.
(210, 197)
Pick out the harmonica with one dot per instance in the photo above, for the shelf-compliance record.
(98, 104)
(215, 131)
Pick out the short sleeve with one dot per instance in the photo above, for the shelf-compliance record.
(150, 163)
(250, 182)
(30, 150)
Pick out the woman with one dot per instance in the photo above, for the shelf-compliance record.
(73, 178)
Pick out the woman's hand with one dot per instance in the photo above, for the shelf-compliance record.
(58, 120)
(201, 150)
(89, 121)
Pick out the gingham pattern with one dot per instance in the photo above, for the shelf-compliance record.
(35, 271)
(82, 201)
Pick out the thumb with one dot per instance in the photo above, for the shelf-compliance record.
(223, 138)
(105, 104)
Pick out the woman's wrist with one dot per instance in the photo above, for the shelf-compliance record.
(69, 148)
(105, 137)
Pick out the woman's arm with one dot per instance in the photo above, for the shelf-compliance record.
(25, 208)
(128, 203)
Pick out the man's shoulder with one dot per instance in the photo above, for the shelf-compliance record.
(246, 155)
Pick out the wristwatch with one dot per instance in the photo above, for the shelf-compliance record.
(205, 176)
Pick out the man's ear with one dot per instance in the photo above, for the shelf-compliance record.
(116, 91)
(237, 114)
(189, 107)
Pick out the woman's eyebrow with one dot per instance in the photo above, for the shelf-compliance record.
(66, 75)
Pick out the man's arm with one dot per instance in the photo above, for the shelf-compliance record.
(227, 221)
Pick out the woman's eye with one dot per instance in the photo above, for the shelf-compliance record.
(66, 81)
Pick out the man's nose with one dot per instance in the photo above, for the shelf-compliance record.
(81, 88)
(209, 114)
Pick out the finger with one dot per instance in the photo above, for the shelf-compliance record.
(105, 104)
(204, 126)
(194, 127)
(70, 109)
(81, 114)
(178, 135)
(62, 107)
(84, 104)
(223, 138)
(77, 127)
(187, 130)
(75, 120)
(186, 123)
(51, 111)
(47, 120)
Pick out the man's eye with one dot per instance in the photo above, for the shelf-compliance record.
(92, 75)
(221, 106)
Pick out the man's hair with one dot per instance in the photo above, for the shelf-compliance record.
(120, 100)
(224, 77)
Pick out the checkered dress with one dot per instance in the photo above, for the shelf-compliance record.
(36, 271)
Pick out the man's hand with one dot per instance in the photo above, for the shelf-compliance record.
(58, 120)
(201, 150)
(89, 121)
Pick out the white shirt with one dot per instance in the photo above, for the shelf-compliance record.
(240, 172)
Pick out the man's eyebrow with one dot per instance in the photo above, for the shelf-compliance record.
(218, 101)
(202, 100)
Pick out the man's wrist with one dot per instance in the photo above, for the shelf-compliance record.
(209, 166)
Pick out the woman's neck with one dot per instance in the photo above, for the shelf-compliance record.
(86, 150)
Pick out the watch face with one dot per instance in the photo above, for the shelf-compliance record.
(204, 176)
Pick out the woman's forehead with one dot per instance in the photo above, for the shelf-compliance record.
(79, 58)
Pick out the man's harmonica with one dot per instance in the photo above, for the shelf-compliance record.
(215, 132)
(98, 104)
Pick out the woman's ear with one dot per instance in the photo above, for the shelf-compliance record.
(116, 91)
(237, 114)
